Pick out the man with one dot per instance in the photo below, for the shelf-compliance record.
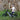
(13, 10)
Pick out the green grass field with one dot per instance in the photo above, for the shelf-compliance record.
(9, 18)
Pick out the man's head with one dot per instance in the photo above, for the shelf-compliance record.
(13, 5)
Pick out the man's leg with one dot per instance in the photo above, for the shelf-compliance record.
(13, 13)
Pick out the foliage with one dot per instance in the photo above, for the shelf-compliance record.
(2, 12)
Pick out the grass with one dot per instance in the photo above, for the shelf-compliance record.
(9, 18)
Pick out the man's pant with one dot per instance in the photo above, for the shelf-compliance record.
(12, 14)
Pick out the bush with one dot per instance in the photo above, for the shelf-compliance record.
(1, 12)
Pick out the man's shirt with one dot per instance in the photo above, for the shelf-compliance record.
(13, 9)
